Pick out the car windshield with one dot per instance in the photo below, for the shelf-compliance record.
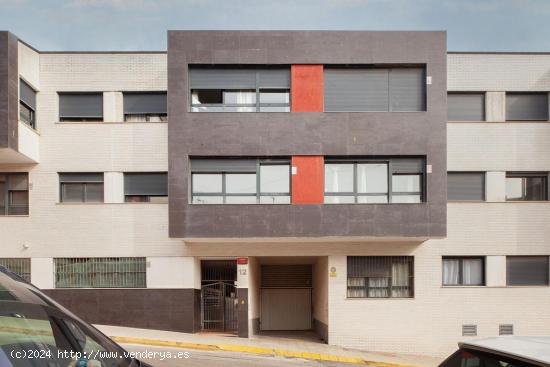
(34, 335)
(471, 358)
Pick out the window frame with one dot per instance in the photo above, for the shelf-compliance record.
(523, 176)
(147, 198)
(390, 193)
(8, 195)
(19, 265)
(516, 93)
(32, 121)
(461, 270)
(258, 194)
(392, 259)
(163, 117)
(484, 105)
(80, 118)
(84, 192)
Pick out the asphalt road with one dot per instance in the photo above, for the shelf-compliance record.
(196, 358)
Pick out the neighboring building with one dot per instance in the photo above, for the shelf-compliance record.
(287, 181)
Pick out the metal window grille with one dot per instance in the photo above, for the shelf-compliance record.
(100, 272)
(20, 266)
(469, 330)
(219, 270)
(380, 276)
(506, 329)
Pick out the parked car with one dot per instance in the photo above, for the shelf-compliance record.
(36, 331)
(504, 351)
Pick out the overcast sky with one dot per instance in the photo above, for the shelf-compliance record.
(472, 25)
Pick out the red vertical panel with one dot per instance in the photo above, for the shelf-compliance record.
(308, 176)
(306, 88)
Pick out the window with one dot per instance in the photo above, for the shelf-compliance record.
(526, 106)
(14, 193)
(369, 181)
(149, 187)
(527, 270)
(466, 186)
(27, 104)
(100, 272)
(81, 187)
(145, 107)
(380, 276)
(239, 90)
(526, 186)
(466, 106)
(20, 266)
(463, 270)
(80, 107)
(240, 181)
(375, 89)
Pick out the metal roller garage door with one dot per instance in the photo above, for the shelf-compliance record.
(285, 297)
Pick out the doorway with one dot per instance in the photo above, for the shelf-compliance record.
(219, 296)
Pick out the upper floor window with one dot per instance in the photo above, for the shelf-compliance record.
(526, 106)
(146, 187)
(240, 181)
(14, 193)
(527, 270)
(79, 107)
(81, 187)
(380, 276)
(466, 186)
(465, 106)
(521, 186)
(463, 270)
(239, 90)
(100, 272)
(375, 89)
(27, 104)
(395, 180)
(145, 106)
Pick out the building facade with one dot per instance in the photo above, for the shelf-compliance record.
(368, 186)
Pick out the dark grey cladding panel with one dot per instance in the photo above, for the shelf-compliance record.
(287, 134)
(9, 96)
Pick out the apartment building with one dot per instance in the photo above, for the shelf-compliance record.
(368, 186)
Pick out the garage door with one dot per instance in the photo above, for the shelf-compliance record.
(285, 297)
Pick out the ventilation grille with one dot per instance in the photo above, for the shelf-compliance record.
(469, 330)
(506, 329)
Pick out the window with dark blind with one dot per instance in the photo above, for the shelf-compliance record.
(466, 186)
(466, 106)
(375, 89)
(145, 106)
(27, 104)
(380, 276)
(218, 89)
(146, 187)
(527, 270)
(81, 187)
(80, 106)
(14, 193)
(526, 106)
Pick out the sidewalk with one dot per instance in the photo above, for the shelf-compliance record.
(263, 345)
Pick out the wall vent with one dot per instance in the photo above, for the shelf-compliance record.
(506, 329)
(469, 330)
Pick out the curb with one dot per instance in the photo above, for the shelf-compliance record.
(255, 350)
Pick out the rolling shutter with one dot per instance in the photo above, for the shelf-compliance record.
(238, 78)
(27, 95)
(274, 78)
(466, 107)
(286, 276)
(145, 103)
(408, 165)
(81, 177)
(81, 105)
(146, 184)
(527, 270)
(356, 90)
(526, 106)
(466, 186)
(223, 165)
(407, 89)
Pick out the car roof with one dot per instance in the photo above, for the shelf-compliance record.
(527, 348)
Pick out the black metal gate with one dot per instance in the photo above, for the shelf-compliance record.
(219, 307)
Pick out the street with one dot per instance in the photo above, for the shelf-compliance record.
(226, 359)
